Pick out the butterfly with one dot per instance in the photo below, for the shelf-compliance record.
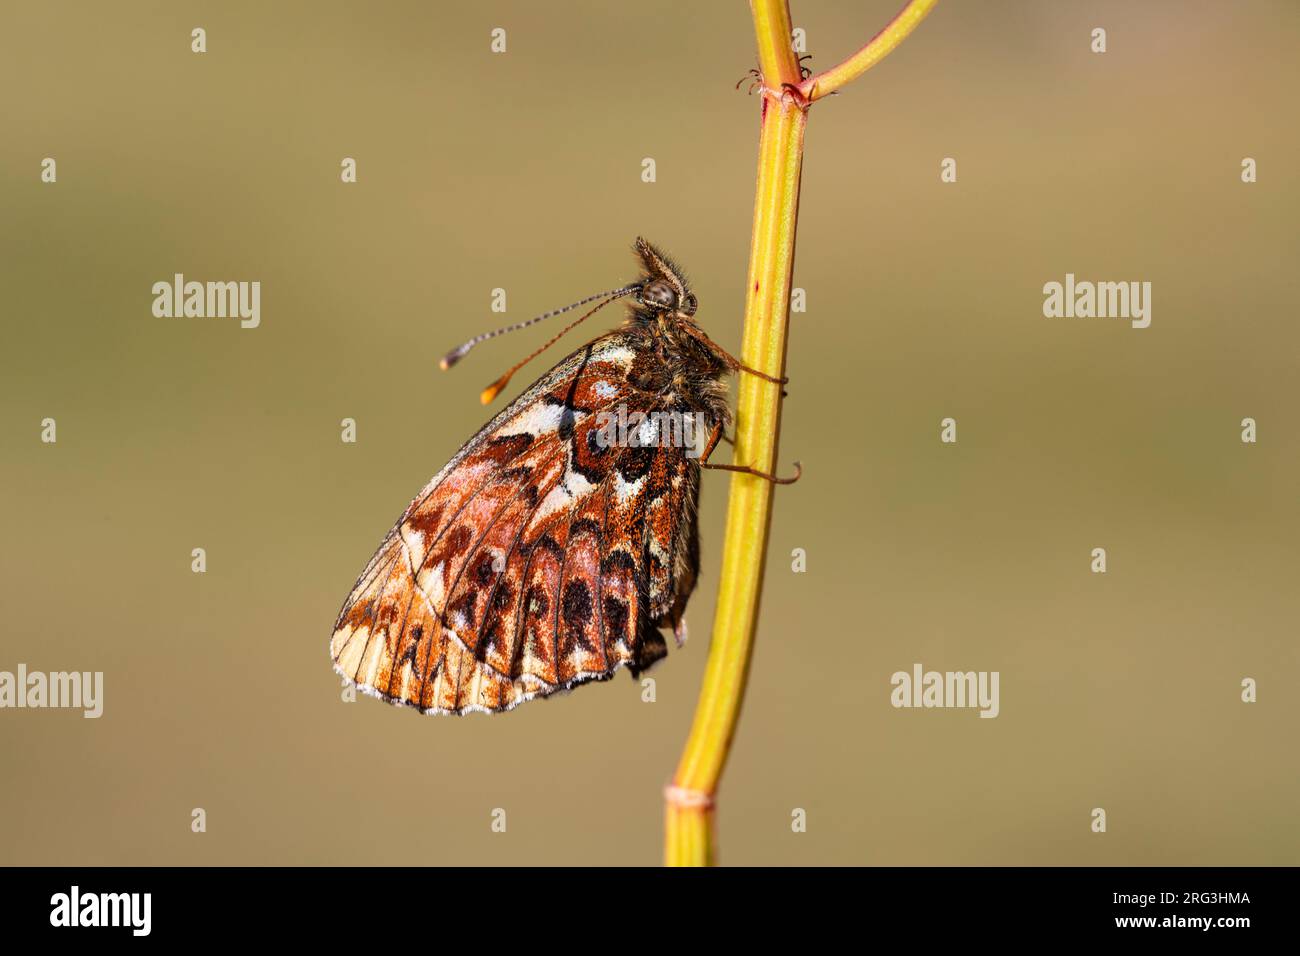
(559, 540)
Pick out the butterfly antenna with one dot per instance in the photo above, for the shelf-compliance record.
(460, 351)
(495, 388)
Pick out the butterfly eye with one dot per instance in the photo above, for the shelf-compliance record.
(658, 295)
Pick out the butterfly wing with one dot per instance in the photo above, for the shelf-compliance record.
(539, 558)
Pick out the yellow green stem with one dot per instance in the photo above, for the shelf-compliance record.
(690, 799)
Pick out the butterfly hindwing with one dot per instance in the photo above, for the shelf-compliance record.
(537, 559)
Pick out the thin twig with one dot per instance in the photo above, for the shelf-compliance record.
(879, 47)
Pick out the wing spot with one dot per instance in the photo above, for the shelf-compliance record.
(537, 602)
(483, 570)
(577, 605)
(616, 617)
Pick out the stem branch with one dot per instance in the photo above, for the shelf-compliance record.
(879, 47)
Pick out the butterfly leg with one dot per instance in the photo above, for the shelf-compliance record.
(733, 363)
(743, 469)
(741, 367)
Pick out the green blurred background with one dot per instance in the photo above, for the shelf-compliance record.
(522, 171)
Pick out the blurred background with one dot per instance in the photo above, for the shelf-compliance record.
(522, 171)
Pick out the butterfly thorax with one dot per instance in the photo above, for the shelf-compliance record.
(678, 365)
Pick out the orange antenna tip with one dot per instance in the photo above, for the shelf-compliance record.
(493, 390)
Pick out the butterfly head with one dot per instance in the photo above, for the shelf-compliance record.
(662, 289)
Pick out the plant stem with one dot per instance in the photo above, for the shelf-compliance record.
(689, 817)
(690, 799)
